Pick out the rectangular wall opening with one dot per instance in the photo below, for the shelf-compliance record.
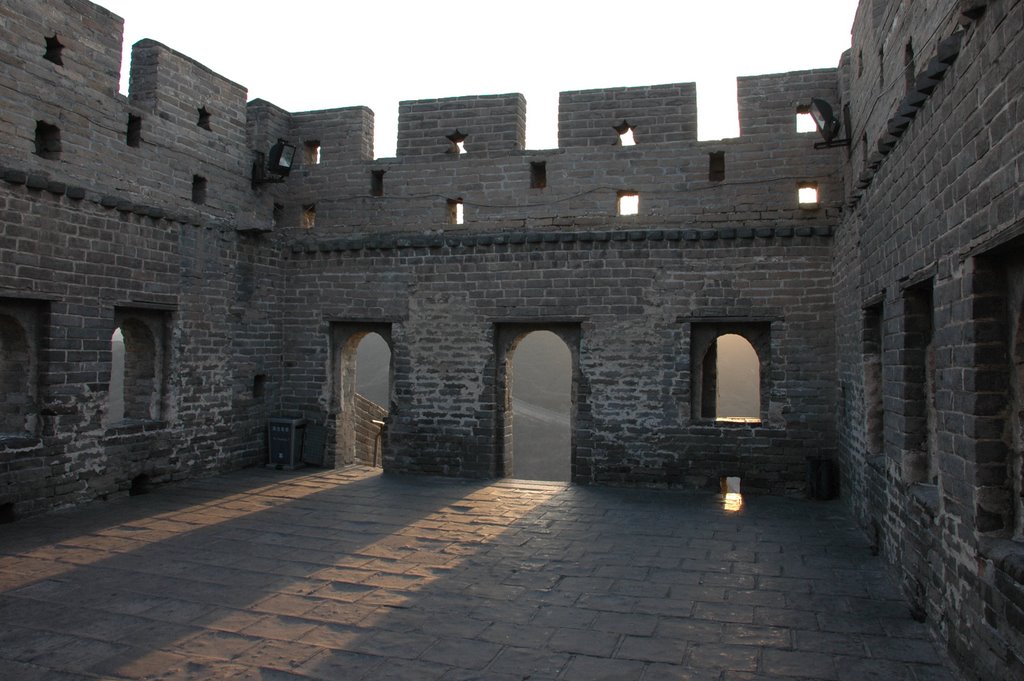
(47, 140)
(538, 174)
(312, 149)
(628, 203)
(872, 351)
(807, 195)
(920, 458)
(376, 183)
(134, 133)
(309, 215)
(716, 166)
(456, 216)
(198, 189)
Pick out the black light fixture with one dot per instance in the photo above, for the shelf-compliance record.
(828, 125)
(278, 165)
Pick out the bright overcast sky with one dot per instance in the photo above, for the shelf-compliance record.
(320, 54)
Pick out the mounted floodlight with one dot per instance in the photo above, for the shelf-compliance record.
(279, 160)
(827, 123)
(278, 165)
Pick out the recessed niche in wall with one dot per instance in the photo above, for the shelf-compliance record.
(54, 51)
(538, 174)
(716, 166)
(259, 386)
(204, 118)
(134, 133)
(376, 183)
(47, 140)
(198, 189)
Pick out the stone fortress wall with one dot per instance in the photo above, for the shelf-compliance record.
(883, 315)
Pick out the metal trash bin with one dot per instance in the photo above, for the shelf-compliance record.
(284, 440)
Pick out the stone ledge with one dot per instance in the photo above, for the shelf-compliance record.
(39, 182)
(542, 239)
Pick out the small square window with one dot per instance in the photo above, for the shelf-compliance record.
(629, 203)
(538, 174)
(716, 166)
(198, 189)
(47, 140)
(458, 143)
(312, 152)
(54, 50)
(456, 216)
(625, 132)
(805, 121)
(807, 195)
(134, 134)
(309, 216)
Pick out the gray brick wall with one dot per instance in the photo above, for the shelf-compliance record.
(938, 207)
(256, 302)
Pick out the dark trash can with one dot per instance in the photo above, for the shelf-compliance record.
(284, 439)
(821, 478)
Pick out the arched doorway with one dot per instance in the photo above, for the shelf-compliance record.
(538, 408)
(738, 372)
(364, 400)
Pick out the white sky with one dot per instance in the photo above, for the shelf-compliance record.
(319, 54)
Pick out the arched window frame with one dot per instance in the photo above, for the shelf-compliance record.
(703, 339)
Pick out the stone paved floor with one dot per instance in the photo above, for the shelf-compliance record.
(348, 574)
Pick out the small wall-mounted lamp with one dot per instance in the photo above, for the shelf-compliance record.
(828, 125)
(278, 165)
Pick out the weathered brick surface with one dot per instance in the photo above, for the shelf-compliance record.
(887, 317)
(939, 212)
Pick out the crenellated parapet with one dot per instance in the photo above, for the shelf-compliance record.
(486, 124)
(768, 104)
(653, 114)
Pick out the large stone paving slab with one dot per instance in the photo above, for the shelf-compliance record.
(353, 575)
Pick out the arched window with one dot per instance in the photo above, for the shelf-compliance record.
(727, 362)
(115, 396)
(137, 372)
(738, 379)
(15, 376)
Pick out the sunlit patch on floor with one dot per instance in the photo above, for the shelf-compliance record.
(732, 499)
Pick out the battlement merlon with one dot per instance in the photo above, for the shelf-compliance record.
(489, 123)
(345, 134)
(768, 104)
(86, 41)
(658, 114)
(180, 89)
